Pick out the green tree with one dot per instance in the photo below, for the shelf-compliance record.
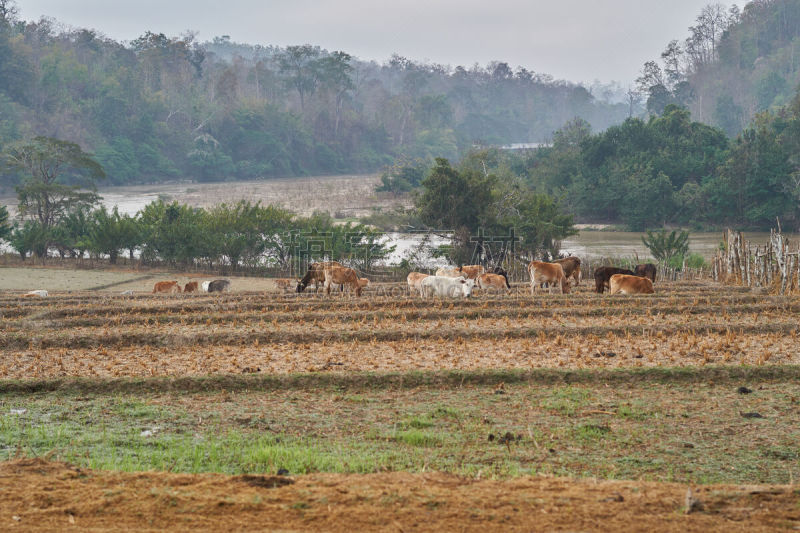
(5, 227)
(57, 176)
(172, 232)
(30, 237)
(664, 246)
(106, 233)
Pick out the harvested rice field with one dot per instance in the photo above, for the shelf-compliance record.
(257, 409)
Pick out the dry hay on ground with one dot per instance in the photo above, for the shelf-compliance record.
(684, 324)
(41, 495)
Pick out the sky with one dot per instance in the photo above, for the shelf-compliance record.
(575, 40)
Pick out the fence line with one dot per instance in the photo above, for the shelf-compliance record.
(773, 266)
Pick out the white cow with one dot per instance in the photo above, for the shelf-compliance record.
(204, 286)
(444, 286)
(39, 293)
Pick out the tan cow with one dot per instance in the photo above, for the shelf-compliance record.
(166, 287)
(550, 273)
(471, 271)
(625, 284)
(572, 268)
(492, 281)
(316, 274)
(285, 284)
(414, 280)
(449, 272)
(338, 275)
(192, 286)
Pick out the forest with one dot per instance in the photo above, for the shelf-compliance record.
(163, 108)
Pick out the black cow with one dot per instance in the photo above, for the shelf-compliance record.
(218, 285)
(602, 275)
(648, 270)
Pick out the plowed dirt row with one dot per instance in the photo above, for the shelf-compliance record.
(37, 495)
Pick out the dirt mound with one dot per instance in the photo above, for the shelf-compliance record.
(40, 495)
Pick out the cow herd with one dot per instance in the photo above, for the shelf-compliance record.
(171, 287)
(453, 282)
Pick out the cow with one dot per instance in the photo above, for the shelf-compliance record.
(572, 268)
(449, 272)
(219, 285)
(627, 284)
(191, 287)
(647, 270)
(414, 280)
(166, 287)
(284, 284)
(602, 275)
(204, 286)
(492, 281)
(444, 286)
(339, 275)
(472, 271)
(38, 293)
(315, 273)
(550, 273)
(363, 282)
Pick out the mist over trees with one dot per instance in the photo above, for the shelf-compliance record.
(161, 108)
(734, 64)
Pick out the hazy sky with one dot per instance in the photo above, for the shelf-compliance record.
(577, 40)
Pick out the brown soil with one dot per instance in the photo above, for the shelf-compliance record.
(40, 495)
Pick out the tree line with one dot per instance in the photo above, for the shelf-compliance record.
(160, 108)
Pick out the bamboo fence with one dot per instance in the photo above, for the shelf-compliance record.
(774, 265)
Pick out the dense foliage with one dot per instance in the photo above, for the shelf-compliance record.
(734, 64)
(160, 108)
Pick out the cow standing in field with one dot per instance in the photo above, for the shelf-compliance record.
(414, 280)
(339, 275)
(219, 285)
(647, 270)
(166, 287)
(602, 276)
(550, 273)
(493, 281)
(626, 284)
(448, 272)
(446, 287)
(192, 286)
(315, 274)
(467, 271)
(572, 268)
(204, 286)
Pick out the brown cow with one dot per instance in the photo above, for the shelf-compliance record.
(315, 273)
(166, 287)
(414, 280)
(647, 270)
(549, 273)
(626, 284)
(363, 282)
(192, 286)
(471, 271)
(572, 268)
(339, 275)
(284, 284)
(602, 276)
(493, 281)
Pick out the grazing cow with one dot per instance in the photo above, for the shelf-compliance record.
(363, 282)
(166, 287)
(550, 273)
(38, 293)
(315, 273)
(602, 275)
(626, 284)
(647, 270)
(444, 286)
(572, 268)
(339, 275)
(191, 287)
(284, 284)
(414, 280)
(204, 286)
(493, 281)
(219, 285)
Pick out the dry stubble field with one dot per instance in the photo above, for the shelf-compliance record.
(501, 386)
